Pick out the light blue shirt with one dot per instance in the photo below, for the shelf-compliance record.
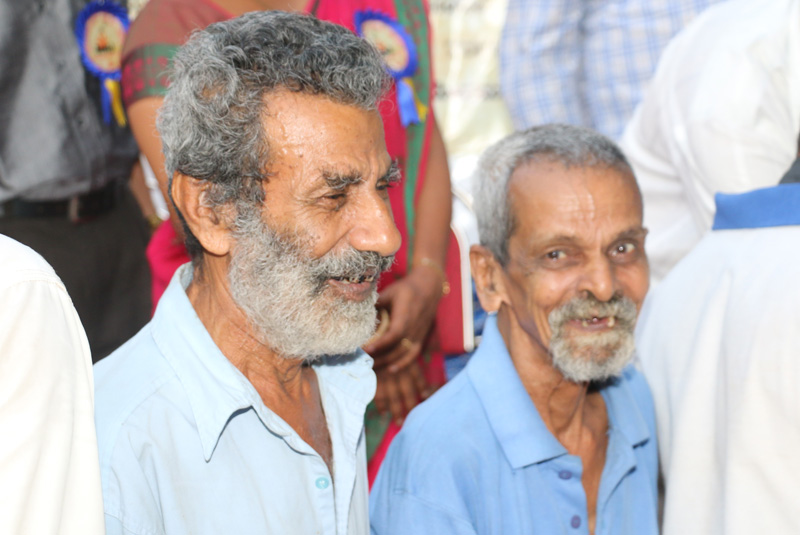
(477, 458)
(187, 445)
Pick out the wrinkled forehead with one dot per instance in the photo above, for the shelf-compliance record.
(318, 123)
(314, 142)
(545, 194)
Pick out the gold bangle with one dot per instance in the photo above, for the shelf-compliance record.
(425, 261)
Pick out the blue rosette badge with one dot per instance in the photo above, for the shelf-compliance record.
(400, 55)
(100, 29)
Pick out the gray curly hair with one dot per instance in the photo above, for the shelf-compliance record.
(211, 122)
(571, 146)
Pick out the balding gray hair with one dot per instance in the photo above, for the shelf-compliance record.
(571, 146)
(211, 122)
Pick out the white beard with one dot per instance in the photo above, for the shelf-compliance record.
(285, 294)
(593, 356)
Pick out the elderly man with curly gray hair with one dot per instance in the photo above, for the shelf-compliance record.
(239, 408)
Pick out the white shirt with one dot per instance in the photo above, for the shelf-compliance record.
(722, 113)
(719, 341)
(187, 445)
(49, 472)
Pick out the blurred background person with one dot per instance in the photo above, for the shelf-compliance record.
(49, 469)
(721, 114)
(585, 62)
(159, 28)
(719, 339)
(66, 156)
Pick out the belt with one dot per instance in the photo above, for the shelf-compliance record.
(75, 209)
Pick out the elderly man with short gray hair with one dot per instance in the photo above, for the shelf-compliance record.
(239, 408)
(548, 429)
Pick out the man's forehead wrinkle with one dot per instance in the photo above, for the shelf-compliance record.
(575, 225)
(581, 196)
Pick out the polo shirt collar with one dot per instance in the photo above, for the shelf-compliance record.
(775, 206)
(624, 411)
(215, 388)
(514, 419)
(516, 423)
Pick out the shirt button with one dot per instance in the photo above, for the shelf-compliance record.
(565, 474)
(322, 483)
(575, 522)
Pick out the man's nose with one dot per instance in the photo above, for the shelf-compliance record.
(600, 279)
(374, 228)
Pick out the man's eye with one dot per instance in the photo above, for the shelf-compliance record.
(383, 186)
(335, 196)
(624, 248)
(556, 255)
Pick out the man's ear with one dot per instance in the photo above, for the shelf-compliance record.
(211, 226)
(488, 275)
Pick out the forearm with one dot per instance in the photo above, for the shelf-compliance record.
(142, 115)
(432, 222)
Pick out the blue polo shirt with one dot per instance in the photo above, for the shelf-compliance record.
(477, 458)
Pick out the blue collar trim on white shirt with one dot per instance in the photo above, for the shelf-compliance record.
(776, 206)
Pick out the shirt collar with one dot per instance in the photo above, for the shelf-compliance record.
(624, 409)
(514, 419)
(512, 415)
(775, 206)
(215, 388)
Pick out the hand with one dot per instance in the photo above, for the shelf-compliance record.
(401, 391)
(411, 303)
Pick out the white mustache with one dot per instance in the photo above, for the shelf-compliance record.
(621, 312)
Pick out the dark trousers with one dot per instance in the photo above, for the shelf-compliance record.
(102, 264)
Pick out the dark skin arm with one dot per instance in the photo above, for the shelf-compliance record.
(142, 117)
(142, 195)
(401, 391)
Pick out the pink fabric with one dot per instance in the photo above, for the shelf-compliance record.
(165, 254)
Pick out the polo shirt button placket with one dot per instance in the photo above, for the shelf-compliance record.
(565, 475)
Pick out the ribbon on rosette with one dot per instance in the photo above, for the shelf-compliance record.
(400, 56)
(100, 30)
